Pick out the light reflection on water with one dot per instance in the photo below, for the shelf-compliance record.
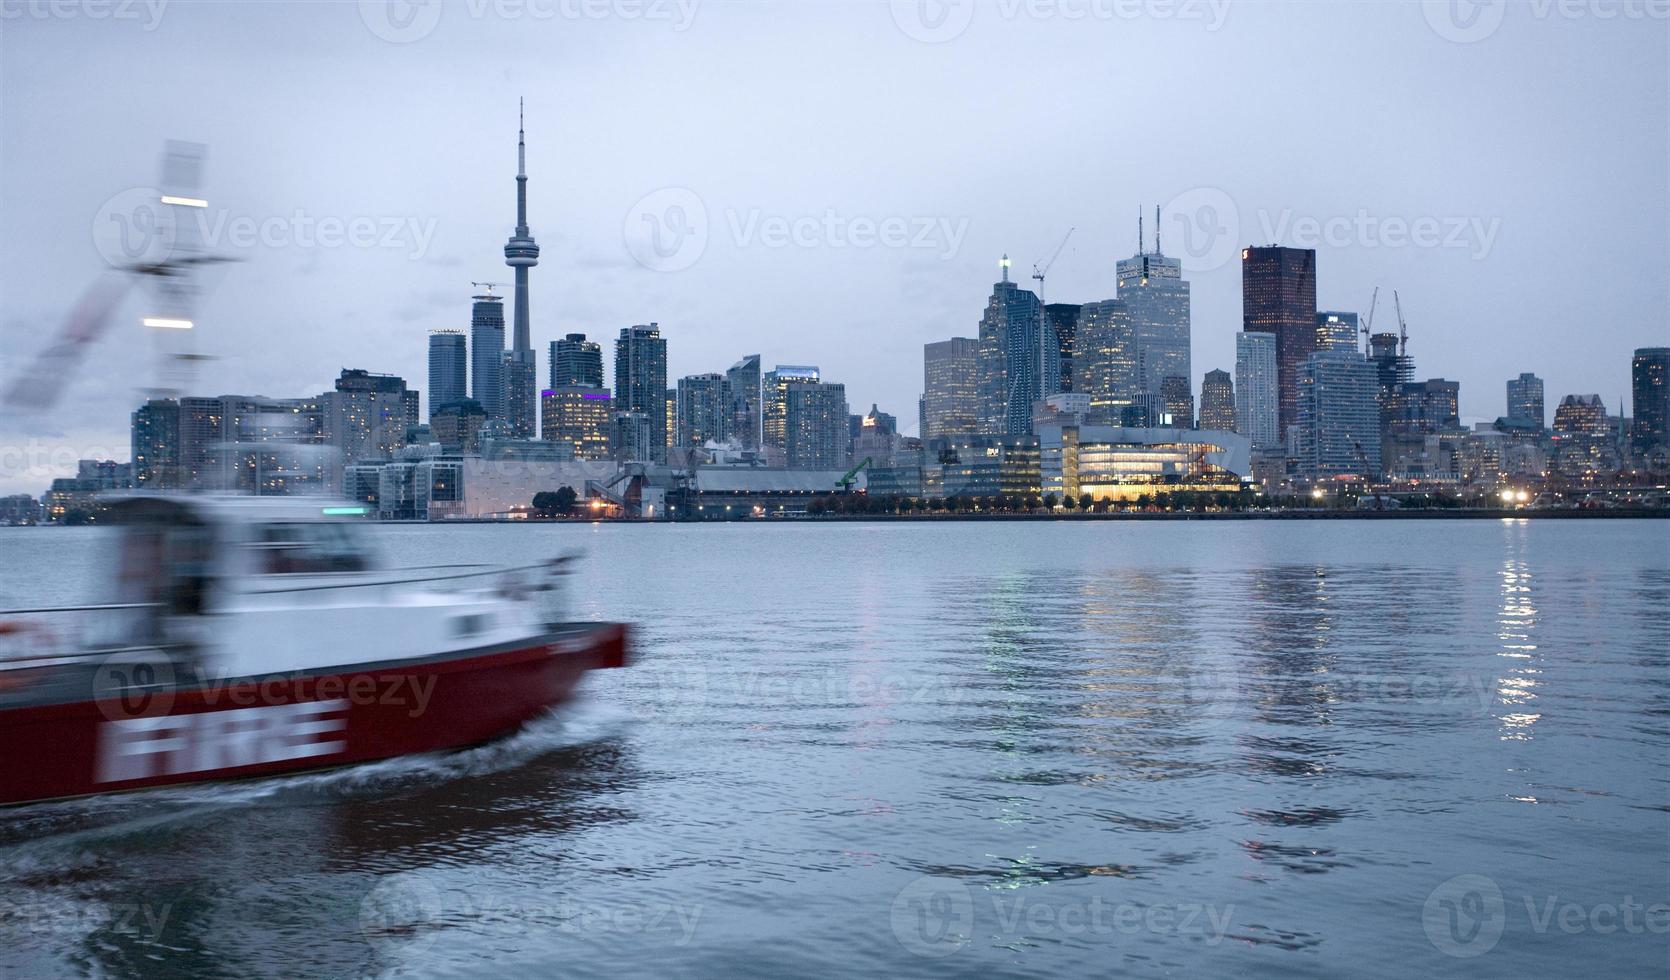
(921, 749)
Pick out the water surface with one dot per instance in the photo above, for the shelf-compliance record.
(916, 749)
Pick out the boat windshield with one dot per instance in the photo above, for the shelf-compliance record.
(308, 548)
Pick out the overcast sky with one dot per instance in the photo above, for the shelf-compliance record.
(829, 183)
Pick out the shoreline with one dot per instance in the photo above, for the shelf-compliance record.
(1640, 513)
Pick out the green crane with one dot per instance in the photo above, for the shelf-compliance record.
(844, 484)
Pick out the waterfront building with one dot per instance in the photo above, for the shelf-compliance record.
(951, 402)
(155, 436)
(1156, 299)
(1105, 358)
(1650, 382)
(1019, 357)
(574, 360)
(487, 353)
(817, 434)
(1278, 296)
(1256, 390)
(742, 383)
(19, 508)
(981, 466)
(448, 368)
(578, 416)
(521, 253)
(1582, 415)
(457, 426)
(703, 410)
(641, 386)
(1122, 464)
(1217, 401)
(1339, 417)
(632, 437)
(1525, 399)
(365, 418)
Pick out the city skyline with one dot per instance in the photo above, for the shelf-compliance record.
(1476, 320)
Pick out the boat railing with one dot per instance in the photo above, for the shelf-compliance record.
(551, 566)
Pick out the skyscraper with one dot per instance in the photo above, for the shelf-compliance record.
(1018, 362)
(487, 353)
(1156, 298)
(1105, 359)
(1525, 399)
(1217, 402)
(742, 381)
(1339, 415)
(521, 254)
(816, 426)
(641, 384)
(950, 388)
(447, 368)
(1336, 330)
(1278, 296)
(1256, 390)
(703, 410)
(156, 444)
(1177, 402)
(1649, 373)
(365, 417)
(1064, 319)
(576, 361)
(578, 415)
(774, 406)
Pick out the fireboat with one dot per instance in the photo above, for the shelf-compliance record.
(256, 636)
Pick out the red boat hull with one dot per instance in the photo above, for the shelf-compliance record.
(265, 726)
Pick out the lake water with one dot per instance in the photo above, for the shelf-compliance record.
(1377, 748)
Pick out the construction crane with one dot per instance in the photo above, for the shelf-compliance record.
(1402, 329)
(1040, 273)
(1043, 313)
(1368, 321)
(489, 286)
(844, 484)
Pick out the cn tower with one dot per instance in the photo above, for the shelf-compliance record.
(521, 254)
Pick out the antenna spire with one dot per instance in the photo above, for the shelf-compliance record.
(1157, 230)
(1142, 240)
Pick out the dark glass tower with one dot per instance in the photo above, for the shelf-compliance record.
(1278, 295)
(1650, 378)
(521, 254)
(576, 361)
(448, 367)
(641, 383)
(487, 353)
